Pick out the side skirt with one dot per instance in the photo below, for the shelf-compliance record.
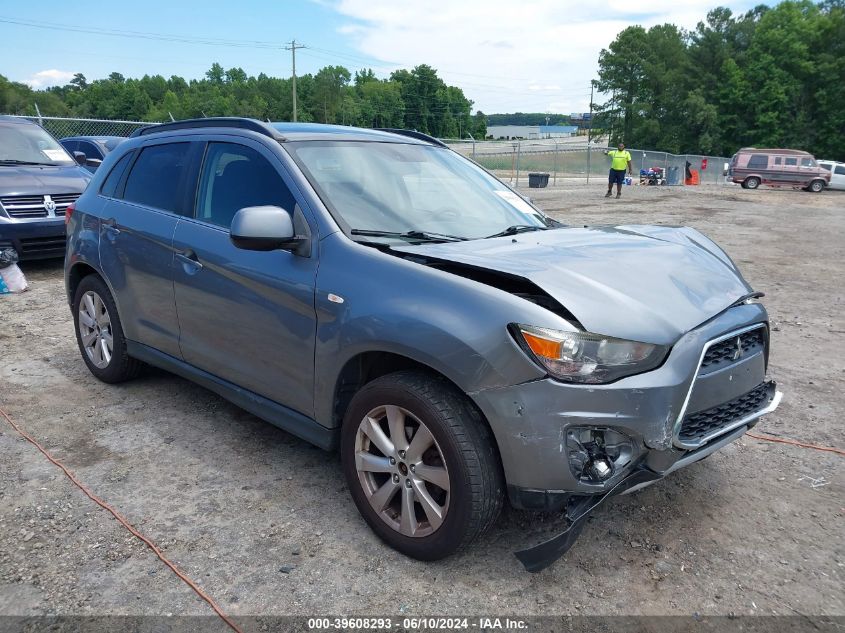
(276, 414)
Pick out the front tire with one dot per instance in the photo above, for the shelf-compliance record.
(817, 186)
(752, 182)
(99, 333)
(421, 464)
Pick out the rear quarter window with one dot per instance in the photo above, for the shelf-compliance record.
(109, 187)
(156, 177)
(840, 170)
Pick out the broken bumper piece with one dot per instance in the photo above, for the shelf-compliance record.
(541, 556)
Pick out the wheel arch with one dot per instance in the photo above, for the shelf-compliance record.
(76, 274)
(80, 270)
(365, 367)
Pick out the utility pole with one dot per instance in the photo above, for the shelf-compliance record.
(292, 48)
(590, 132)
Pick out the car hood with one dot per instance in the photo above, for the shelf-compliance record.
(643, 283)
(21, 180)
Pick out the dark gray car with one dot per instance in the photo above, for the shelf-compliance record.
(38, 180)
(90, 151)
(378, 293)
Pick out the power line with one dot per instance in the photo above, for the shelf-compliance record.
(235, 43)
(182, 39)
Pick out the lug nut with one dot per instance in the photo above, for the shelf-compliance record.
(407, 483)
(395, 478)
(413, 468)
(392, 461)
(402, 454)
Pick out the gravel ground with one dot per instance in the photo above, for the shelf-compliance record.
(265, 524)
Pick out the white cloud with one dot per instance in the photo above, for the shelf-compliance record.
(52, 77)
(531, 56)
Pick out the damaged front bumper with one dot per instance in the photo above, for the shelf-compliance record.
(570, 447)
(541, 556)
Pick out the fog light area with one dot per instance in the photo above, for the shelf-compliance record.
(596, 454)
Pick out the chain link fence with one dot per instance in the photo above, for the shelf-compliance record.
(580, 164)
(569, 161)
(62, 127)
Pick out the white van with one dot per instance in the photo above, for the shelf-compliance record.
(837, 173)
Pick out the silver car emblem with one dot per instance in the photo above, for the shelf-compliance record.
(49, 205)
(738, 352)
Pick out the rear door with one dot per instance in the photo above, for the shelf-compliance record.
(247, 317)
(136, 238)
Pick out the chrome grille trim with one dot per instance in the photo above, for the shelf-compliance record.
(680, 419)
(23, 207)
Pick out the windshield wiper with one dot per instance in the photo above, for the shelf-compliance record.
(517, 228)
(425, 236)
(12, 161)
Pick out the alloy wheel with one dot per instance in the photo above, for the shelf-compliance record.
(95, 329)
(402, 471)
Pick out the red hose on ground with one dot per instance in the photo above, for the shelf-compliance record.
(181, 575)
(767, 438)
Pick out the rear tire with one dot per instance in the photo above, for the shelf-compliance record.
(387, 474)
(99, 333)
(751, 183)
(817, 186)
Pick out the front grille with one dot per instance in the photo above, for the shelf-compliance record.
(724, 353)
(698, 426)
(34, 206)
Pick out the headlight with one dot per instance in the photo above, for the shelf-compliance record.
(588, 358)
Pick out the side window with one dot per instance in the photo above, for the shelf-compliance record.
(758, 161)
(777, 160)
(156, 177)
(825, 166)
(840, 169)
(90, 150)
(235, 176)
(808, 162)
(70, 146)
(792, 161)
(110, 183)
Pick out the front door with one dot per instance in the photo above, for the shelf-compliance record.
(245, 316)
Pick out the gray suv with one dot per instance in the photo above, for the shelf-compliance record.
(38, 180)
(377, 293)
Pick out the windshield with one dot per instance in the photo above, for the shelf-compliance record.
(407, 188)
(30, 144)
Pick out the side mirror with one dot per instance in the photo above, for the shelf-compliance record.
(264, 228)
(93, 163)
(80, 158)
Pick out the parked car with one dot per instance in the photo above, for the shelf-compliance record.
(837, 173)
(378, 293)
(752, 167)
(38, 180)
(95, 148)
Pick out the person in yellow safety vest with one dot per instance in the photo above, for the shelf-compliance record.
(620, 162)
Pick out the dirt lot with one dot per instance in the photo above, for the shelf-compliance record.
(264, 522)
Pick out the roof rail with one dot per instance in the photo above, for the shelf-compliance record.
(188, 124)
(413, 134)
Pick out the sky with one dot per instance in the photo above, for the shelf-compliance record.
(507, 55)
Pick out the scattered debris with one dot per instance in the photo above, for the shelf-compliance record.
(814, 481)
